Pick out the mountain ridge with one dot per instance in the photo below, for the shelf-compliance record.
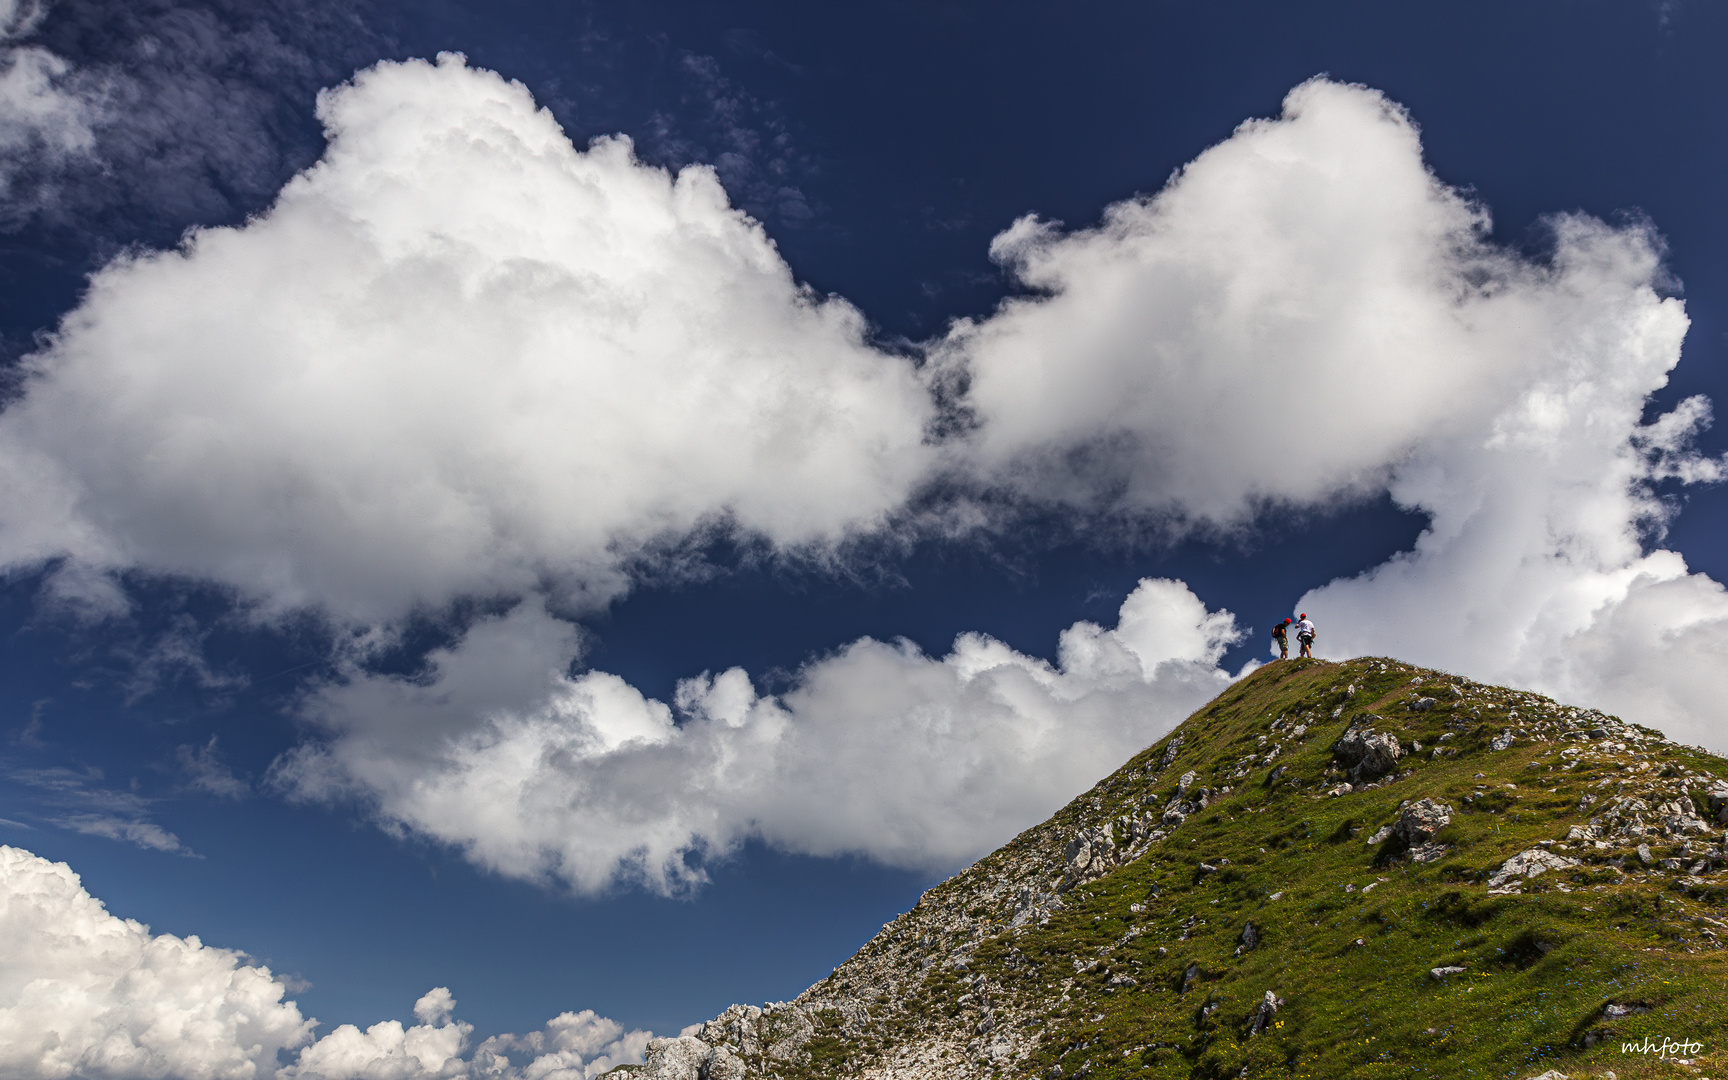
(1210, 908)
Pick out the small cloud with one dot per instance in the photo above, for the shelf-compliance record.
(30, 734)
(9, 823)
(177, 655)
(205, 772)
(146, 835)
(86, 807)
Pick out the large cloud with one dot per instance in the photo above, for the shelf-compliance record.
(1297, 311)
(85, 994)
(877, 749)
(1305, 312)
(458, 356)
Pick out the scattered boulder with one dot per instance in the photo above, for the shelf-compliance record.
(1717, 799)
(689, 1058)
(1171, 751)
(1422, 704)
(1090, 854)
(1261, 1018)
(1502, 741)
(1527, 864)
(1419, 821)
(1427, 853)
(1449, 969)
(1369, 753)
(1189, 977)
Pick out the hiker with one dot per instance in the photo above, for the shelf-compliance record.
(1305, 634)
(1281, 634)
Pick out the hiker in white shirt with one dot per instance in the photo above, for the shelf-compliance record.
(1305, 634)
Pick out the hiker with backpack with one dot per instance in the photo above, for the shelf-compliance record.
(1305, 634)
(1281, 634)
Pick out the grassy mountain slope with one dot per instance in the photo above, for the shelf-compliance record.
(1113, 940)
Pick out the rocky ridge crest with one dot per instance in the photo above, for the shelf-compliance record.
(1141, 930)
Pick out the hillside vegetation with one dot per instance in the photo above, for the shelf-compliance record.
(1332, 870)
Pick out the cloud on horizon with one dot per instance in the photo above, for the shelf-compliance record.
(83, 993)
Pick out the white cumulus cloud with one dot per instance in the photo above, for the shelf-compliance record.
(88, 996)
(1306, 313)
(85, 994)
(458, 356)
(878, 749)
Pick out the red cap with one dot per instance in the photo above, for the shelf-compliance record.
(1304, 615)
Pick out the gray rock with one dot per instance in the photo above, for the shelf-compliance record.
(1090, 854)
(1443, 972)
(1186, 782)
(1427, 853)
(684, 1058)
(1172, 750)
(1250, 936)
(1422, 704)
(1644, 855)
(1261, 1019)
(1614, 1011)
(1189, 977)
(1419, 821)
(1369, 753)
(1528, 864)
(1502, 741)
(724, 1065)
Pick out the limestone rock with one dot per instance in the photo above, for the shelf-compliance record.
(1528, 864)
(1427, 853)
(689, 1058)
(1261, 1018)
(1171, 751)
(1421, 820)
(1369, 753)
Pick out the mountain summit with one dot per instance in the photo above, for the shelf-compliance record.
(1358, 869)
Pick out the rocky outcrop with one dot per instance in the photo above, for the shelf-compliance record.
(1368, 753)
(1139, 927)
(690, 1058)
(1526, 864)
(1419, 821)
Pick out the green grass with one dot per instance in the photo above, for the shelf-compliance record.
(1541, 965)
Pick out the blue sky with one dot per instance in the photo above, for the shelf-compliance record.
(444, 552)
